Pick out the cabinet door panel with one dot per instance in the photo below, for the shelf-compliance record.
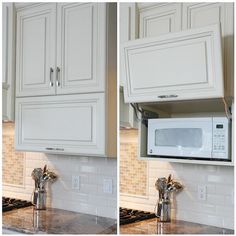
(81, 47)
(35, 50)
(73, 124)
(159, 20)
(204, 14)
(178, 66)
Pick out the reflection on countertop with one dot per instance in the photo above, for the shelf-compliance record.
(153, 226)
(56, 221)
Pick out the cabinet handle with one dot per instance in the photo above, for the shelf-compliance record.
(51, 79)
(58, 76)
(55, 149)
(168, 96)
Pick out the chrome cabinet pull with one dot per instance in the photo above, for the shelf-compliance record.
(51, 79)
(168, 96)
(58, 76)
(54, 149)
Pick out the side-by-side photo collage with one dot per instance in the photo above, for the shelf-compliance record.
(118, 118)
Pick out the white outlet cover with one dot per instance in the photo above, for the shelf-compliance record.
(202, 192)
(75, 182)
(107, 186)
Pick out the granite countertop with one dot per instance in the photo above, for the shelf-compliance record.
(153, 226)
(56, 221)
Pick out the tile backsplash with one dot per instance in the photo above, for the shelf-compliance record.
(216, 210)
(89, 198)
(133, 172)
(13, 162)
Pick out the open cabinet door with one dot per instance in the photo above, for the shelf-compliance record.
(176, 66)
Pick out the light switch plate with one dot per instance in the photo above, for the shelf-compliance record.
(107, 186)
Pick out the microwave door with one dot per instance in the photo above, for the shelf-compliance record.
(180, 139)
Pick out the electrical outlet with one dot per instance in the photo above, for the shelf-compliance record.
(75, 182)
(107, 186)
(202, 192)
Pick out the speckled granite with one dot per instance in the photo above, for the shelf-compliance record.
(153, 226)
(56, 221)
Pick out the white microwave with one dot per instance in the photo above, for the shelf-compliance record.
(192, 138)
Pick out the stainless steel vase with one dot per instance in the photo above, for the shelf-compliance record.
(39, 199)
(164, 210)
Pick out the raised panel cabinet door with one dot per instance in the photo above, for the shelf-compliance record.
(35, 50)
(178, 66)
(160, 19)
(203, 14)
(81, 47)
(72, 124)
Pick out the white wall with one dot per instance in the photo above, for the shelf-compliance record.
(216, 210)
(88, 199)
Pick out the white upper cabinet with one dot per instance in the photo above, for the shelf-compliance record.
(175, 66)
(61, 49)
(202, 14)
(8, 61)
(35, 50)
(81, 42)
(79, 127)
(66, 79)
(153, 72)
(159, 20)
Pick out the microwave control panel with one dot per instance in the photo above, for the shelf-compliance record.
(220, 137)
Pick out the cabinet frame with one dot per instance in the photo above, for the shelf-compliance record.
(8, 57)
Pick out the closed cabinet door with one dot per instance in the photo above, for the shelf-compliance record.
(203, 14)
(160, 19)
(72, 124)
(81, 40)
(35, 62)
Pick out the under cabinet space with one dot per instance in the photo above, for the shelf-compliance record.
(182, 109)
(72, 124)
(142, 152)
